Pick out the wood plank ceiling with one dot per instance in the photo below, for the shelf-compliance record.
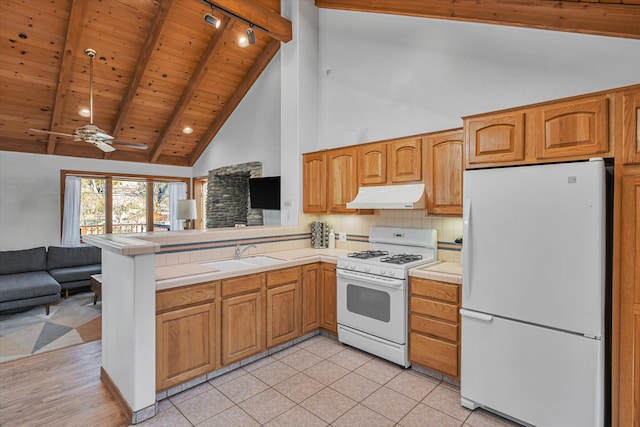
(160, 67)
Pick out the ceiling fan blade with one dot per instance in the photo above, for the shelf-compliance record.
(50, 132)
(107, 148)
(103, 136)
(130, 144)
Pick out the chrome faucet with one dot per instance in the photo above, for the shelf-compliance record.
(241, 251)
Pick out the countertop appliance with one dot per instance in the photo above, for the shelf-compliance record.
(533, 292)
(372, 290)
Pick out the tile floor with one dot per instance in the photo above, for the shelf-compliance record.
(321, 382)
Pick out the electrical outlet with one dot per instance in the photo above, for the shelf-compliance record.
(342, 237)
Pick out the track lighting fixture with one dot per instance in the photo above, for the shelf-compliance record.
(210, 19)
(251, 36)
(215, 22)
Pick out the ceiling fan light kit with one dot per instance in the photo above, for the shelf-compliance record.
(91, 133)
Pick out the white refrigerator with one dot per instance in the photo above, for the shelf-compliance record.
(533, 293)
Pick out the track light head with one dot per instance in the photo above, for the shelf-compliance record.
(210, 19)
(251, 36)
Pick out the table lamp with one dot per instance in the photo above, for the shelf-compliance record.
(187, 211)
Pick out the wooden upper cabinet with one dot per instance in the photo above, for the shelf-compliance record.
(372, 161)
(342, 178)
(314, 182)
(405, 160)
(495, 138)
(390, 162)
(443, 172)
(631, 126)
(572, 128)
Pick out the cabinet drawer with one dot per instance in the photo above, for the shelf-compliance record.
(436, 290)
(185, 296)
(434, 327)
(242, 284)
(435, 354)
(440, 310)
(280, 277)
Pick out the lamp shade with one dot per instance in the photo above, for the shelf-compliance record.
(187, 209)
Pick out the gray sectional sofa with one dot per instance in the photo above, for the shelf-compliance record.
(36, 276)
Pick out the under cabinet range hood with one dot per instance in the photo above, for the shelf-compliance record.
(408, 196)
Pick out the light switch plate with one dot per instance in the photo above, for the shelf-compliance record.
(342, 237)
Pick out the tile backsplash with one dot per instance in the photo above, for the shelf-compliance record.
(357, 226)
(203, 245)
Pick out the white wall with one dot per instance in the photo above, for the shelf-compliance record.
(252, 132)
(30, 193)
(385, 76)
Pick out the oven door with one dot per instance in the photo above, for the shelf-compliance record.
(373, 304)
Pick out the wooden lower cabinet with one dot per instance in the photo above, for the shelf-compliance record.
(243, 318)
(185, 336)
(329, 300)
(434, 339)
(311, 297)
(283, 306)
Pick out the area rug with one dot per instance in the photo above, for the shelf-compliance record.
(71, 321)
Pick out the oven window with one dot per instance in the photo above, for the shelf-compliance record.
(369, 302)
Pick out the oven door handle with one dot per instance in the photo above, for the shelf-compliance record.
(382, 281)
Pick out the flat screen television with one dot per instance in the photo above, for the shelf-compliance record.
(264, 192)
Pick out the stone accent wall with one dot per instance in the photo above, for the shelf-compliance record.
(228, 196)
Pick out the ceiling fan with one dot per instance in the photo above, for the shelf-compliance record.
(91, 133)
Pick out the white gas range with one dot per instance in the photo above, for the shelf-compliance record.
(373, 290)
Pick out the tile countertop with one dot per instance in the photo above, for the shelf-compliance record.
(171, 276)
(442, 271)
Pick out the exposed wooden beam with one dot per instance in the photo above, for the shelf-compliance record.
(261, 63)
(605, 19)
(278, 27)
(190, 90)
(141, 65)
(72, 39)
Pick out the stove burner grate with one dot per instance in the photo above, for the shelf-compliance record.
(367, 254)
(401, 258)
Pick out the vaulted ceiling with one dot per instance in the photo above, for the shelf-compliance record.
(160, 67)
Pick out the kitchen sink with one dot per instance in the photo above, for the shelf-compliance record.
(238, 264)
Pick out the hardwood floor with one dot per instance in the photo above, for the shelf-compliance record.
(58, 388)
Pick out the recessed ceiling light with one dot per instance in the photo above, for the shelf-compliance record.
(187, 130)
(84, 112)
(243, 41)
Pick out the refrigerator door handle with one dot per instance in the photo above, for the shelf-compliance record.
(466, 264)
(476, 315)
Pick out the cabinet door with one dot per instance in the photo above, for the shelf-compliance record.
(372, 163)
(495, 138)
(342, 183)
(434, 353)
(572, 129)
(314, 183)
(329, 307)
(629, 297)
(443, 176)
(185, 345)
(311, 297)
(405, 158)
(283, 314)
(242, 327)
(631, 127)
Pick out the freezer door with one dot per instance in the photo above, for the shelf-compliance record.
(540, 376)
(534, 244)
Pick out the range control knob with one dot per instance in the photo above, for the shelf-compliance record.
(383, 271)
(367, 268)
(352, 266)
(392, 273)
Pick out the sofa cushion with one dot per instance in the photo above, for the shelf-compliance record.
(27, 285)
(59, 257)
(71, 274)
(23, 261)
